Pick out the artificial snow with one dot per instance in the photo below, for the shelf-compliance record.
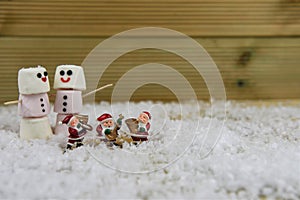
(257, 155)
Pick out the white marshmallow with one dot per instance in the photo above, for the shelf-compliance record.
(33, 80)
(61, 128)
(69, 77)
(35, 128)
(34, 105)
(68, 101)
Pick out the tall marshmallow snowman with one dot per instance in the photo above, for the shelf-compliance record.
(34, 104)
(70, 82)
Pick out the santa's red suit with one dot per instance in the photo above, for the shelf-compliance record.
(142, 130)
(76, 134)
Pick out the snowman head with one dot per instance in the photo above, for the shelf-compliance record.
(33, 80)
(69, 77)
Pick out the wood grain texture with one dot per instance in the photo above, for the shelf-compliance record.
(192, 17)
(254, 43)
(252, 68)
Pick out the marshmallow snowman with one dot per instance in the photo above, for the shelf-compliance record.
(70, 82)
(34, 104)
(69, 77)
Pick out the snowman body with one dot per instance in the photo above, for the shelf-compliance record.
(34, 103)
(68, 101)
(69, 81)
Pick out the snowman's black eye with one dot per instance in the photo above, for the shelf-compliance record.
(62, 72)
(45, 73)
(39, 75)
(69, 72)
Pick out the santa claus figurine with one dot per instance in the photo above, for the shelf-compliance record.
(107, 129)
(139, 127)
(77, 129)
(143, 126)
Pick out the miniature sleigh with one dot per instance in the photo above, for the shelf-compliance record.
(136, 136)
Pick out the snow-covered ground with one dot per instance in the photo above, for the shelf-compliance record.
(257, 156)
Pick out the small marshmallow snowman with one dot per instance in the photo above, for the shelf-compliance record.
(70, 82)
(34, 104)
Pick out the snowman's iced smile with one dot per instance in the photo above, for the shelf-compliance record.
(65, 80)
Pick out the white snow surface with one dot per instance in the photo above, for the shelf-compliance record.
(257, 156)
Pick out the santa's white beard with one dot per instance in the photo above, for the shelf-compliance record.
(142, 125)
(106, 127)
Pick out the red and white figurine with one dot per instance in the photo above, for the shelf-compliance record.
(33, 103)
(139, 127)
(107, 129)
(77, 129)
(143, 125)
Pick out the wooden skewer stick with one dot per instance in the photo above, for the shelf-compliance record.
(98, 89)
(12, 102)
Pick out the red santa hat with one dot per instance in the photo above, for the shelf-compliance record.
(104, 117)
(67, 119)
(148, 114)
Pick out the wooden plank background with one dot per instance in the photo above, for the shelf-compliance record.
(255, 43)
